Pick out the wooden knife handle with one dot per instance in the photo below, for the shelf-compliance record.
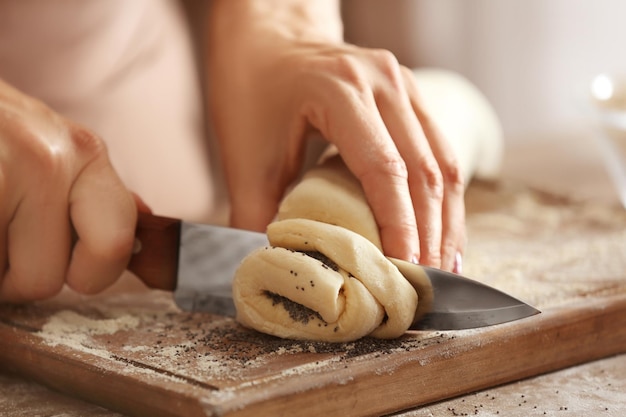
(155, 257)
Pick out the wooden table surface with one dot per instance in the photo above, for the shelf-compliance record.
(596, 387)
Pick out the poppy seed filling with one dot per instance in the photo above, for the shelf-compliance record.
(297, 312)
(322, 258)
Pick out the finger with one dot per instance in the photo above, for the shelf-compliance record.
(453, 213)
(104, 216)
(38, 249)
(424, 176)
(453, 216)
(375, 161)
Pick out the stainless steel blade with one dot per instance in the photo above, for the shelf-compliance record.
(453, 302)
(207, 261)
(210, 255)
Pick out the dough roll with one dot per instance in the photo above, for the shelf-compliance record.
(330, 193)
(322, 282)
(465, 118)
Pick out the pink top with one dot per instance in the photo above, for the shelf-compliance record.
(126, 70)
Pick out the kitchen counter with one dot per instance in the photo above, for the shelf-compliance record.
(571, 167)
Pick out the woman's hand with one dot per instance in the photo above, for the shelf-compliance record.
(273, 78)
(56, 180)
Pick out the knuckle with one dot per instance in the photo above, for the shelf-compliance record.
(449, 246)
(87, 143)
(395, 166)
(432, 178)
(452, 176)
(391, 167)
(432, 250)
(434, 259)
(348, 69)
(32, 145)
(48, 158)
(385, 59)
(401, 227)
(387, 63)
(51, 160)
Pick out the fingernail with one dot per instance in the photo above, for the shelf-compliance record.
(458, 263)
(414, 260)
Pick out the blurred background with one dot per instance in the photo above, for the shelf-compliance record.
(533, 59)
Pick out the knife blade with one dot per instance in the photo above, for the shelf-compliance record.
(198, 262)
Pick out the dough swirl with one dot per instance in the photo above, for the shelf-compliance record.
(284, 291)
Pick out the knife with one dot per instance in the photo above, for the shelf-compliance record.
(198, 262)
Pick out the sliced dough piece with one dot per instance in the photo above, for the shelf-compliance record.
(361, 293)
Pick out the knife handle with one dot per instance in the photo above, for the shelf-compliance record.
(155, 256)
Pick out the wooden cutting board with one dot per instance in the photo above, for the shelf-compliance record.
(132, 350)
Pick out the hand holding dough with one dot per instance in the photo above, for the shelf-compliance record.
(325, 276)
